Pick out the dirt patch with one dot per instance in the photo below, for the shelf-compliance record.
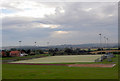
(91, 65)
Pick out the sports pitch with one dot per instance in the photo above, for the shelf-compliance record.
(23, 71)
(62, 59)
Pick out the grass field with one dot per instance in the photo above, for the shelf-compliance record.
(16, 71)
(13, 71)
(62, 59)
(18, 58)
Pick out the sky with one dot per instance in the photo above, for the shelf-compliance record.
(58, 22)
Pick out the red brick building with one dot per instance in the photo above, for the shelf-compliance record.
(15, 53)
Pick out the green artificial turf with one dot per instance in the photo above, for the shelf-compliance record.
(62, 59)
(16, 71)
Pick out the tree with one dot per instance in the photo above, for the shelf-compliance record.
(51, 50)
(56, 50)
(68, 51)
(40, 51)
(99, 49)
(77, 50)
(23, 51)
(8, 53)
(119, 48)
(54, 54)
(28, 51)
(13, 49)
(89, 50)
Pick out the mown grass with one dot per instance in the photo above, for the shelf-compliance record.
(16, 71)
(18, 58)
(13, 71)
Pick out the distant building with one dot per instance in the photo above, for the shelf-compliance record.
(32, 53)
(105, 51)
(3, 54)
(17, 54)
(46, 52)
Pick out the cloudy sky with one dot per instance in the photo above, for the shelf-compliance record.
(58, 22)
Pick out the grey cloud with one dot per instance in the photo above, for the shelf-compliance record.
(84, 25)
(75, 17)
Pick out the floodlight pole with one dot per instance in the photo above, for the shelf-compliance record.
(48, 43)
(35, 46)
(48, 46)
(100, 43)
(20, 44)
(105, 42)
(35, 43)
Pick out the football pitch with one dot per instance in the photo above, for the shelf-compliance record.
(62, 59)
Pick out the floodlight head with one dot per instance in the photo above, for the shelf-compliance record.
(20, 41)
